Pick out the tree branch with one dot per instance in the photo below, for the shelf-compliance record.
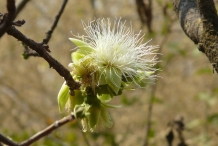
(41, 49)
(48, 130)
(40, 134)
(8, 17)
(189, 18)
(145, 13)
(199, 21)
(49, 33)
(20, 7)
(7, 141)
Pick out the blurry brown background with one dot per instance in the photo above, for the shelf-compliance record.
(29, 88)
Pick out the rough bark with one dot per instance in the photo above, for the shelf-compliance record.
(199, 21)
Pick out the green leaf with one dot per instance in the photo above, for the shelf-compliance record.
(194, 123)
(129, 101)
(63, 96)
(205, 70)
(213, 119)
(113, 78)
(151, 133)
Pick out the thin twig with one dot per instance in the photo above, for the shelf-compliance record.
(153, 88)
(149, 114)
(49, 33)
(41, 50)
(20, 7)
(7, 141)
(48, 130)
(8, 17)
(145, 13)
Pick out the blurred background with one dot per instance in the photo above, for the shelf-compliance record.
(187, 88)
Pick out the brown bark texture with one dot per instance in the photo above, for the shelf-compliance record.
(199, 21)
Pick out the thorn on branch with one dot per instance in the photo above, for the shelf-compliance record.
(18, 23)
(46, 47)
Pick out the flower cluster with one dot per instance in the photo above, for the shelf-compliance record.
(107, 60)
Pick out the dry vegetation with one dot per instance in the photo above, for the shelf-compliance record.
(29, 88)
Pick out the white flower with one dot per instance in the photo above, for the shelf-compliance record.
(106, 61)
(113, 53)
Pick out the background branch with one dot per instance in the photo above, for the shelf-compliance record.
(20, 7)
(7, 141)
(49, 33)
(48, 130)
(40, 134)
(27, 52)
(145, 13)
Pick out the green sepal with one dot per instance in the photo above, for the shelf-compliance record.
(84, 48)
(94, 116)
(143, 75)
(63, 96)
(106, 118)
(79, 70)
(77, 99)
(104, 98)
(76, 56)
(102, 80)
(113, 79)
(110, 106)
(102, 89)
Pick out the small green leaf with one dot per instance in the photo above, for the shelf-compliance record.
(63, 96)
(113, 79)
(194, 123)
(213, 119)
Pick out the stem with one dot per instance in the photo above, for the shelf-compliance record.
(48, 130)
(49, 33)
(8, 17)
(42, 51)
(149, 115)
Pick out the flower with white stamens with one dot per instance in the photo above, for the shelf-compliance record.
(108, 59)
(112, 54)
